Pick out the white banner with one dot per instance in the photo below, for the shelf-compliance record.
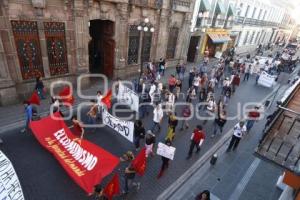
(10, 187)
(128, 97)
(166, 151)
(125, 128)
(266, 80)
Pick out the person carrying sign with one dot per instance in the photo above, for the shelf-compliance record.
(165, 161)
(197, 139)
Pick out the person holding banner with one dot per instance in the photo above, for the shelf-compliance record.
(77, 127)
(129, 177)
(28, 112)
(165, 162)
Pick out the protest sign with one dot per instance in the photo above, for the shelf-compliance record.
(10, 187)
(128, 97)
(124, 128)
(166, 151)
(266, 80)
(86, 163)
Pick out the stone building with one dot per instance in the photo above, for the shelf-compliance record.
(60, 39)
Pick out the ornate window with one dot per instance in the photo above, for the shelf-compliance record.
(134, 43)
(172, 41)
(56, 47)
(28, 48)
(146, 46)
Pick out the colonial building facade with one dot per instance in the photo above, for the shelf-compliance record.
(60, 39)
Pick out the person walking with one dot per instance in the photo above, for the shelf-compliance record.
(219, 122)
(129, 179)
(196, 82)
(172, 81)
(178, 87)
(39, 86)
(165, 162)
(192, 74)
(170, 102)
(253, 116)
(247, 72)
(178, 70)
(202, 98)
(149, 143)
(198, 136)
(173, 122)
(139, 133)
(157, 117)
(238, 131)
(92, 113)
(162, 66)
(186, 113)
(28, 115)
(191, 94)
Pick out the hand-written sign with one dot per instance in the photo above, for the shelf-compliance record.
(166, 151)
(125, 128)
(10, 187)
(128, 97)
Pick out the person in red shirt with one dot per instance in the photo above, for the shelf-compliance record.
(197, 139)
(172, 81)
(253, 116)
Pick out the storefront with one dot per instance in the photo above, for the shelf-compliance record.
(215, 42)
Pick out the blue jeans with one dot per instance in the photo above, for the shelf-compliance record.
(250, 124)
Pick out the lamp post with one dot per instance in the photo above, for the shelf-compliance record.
(144, 27)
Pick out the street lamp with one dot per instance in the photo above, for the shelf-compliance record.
(144, 27)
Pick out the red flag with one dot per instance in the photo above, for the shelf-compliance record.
(66, 96)
(34, 99)
(107, 99)
(113, 187)
(139, 163)
(87, 164)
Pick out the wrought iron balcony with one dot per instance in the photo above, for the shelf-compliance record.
(157, 4)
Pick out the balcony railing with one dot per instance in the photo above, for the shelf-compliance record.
(254, 22)
(157, 4)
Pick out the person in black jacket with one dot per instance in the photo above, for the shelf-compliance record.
(39, 86)
(165, 162)
(139, 133)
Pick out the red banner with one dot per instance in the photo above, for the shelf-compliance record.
(86, 163)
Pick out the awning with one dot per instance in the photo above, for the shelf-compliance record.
(231, 11)
(219, 38)
(204, 6)
(220, 8)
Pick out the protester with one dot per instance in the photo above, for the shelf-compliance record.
(127, 157)
(182, 72)
(77, 126)
(162, 66)
(139, 133)
(186, 113)
(253, 116)
(28, 115)
(157, 117)
(205, 195)
(178, 69)
(173, 122)
(178, 87)
(191, 76)
(153, 89)
(238, 131)
(202, 98)
(235, 81)
(98, 193)
(198, 137)
(171, 82)
(55, 105)
(170, 102)
(165, 162)
(92, 113)
(219, 122)
(99, 98)
(149, 143)
(39, 86)
(191, 94)
(247, 72)
(129, 179)
(196, 82)
(210, 108)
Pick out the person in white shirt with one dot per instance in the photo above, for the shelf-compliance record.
(196, 82)
(152, 92)
(170, 103)
(158, 115)
(238, 131)
(99, 98)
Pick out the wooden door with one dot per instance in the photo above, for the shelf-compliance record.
(193, 48)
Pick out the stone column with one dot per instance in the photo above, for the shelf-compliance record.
(121, 36)
(81, 39)
(186, 36)
(163, 34)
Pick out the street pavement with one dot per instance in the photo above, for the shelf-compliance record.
(42, 177)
